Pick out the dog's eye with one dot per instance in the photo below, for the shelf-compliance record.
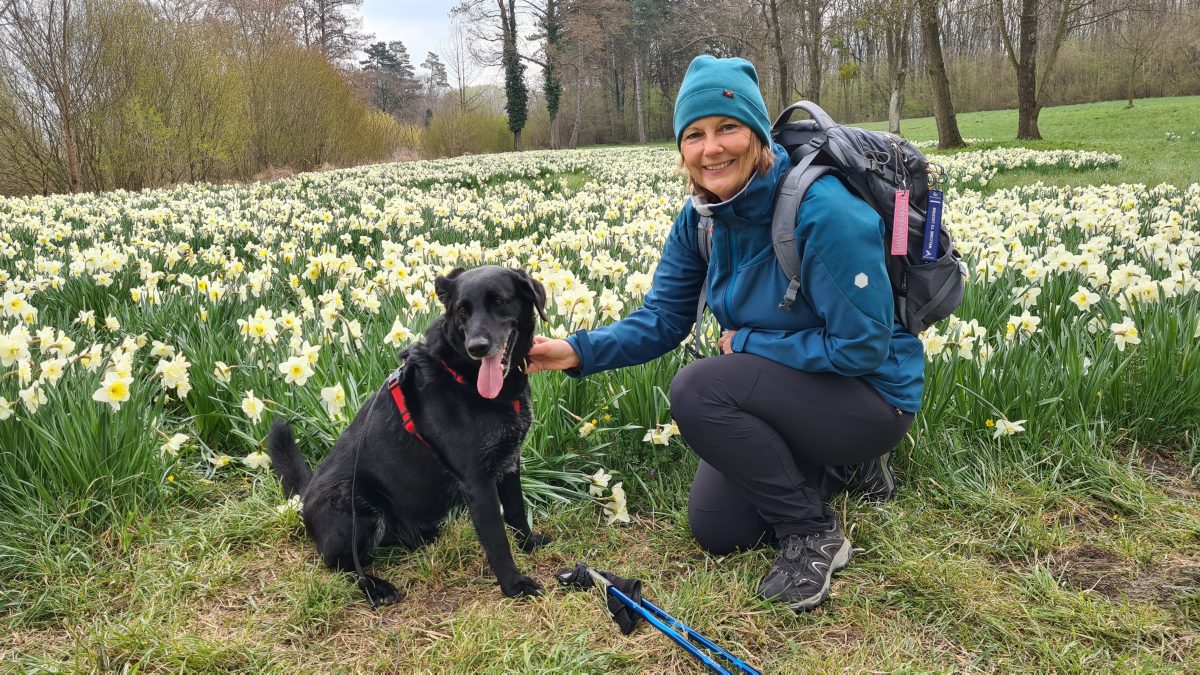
(500, 301)
(462, 312)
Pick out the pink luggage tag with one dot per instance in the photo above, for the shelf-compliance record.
(900, 224)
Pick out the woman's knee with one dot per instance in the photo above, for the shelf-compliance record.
(725, 532)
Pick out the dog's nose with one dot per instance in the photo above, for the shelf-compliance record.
(478, 347)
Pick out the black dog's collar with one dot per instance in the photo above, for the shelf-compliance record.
(393, 386)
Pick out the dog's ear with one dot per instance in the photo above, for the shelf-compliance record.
(533, 289)
(445, 286)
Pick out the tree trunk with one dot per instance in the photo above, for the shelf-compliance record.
(895, 102)
(578, 114)
(943, 106)
(813, 13)
(517, 141)
(785, 77)
(1027, 103)
(637, 94)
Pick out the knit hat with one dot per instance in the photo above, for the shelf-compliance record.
(727, 87)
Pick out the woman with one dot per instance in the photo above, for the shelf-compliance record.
(801, 402)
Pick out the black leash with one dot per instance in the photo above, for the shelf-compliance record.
(363, 583)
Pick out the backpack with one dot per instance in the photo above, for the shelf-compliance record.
(927, 280)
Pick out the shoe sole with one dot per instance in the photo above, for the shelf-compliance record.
(839, 562)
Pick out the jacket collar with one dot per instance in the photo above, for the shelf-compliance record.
(755, 201)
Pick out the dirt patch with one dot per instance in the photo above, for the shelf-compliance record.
(1077, 515)
(1177, 477)
(272, 174)
(1092, 569)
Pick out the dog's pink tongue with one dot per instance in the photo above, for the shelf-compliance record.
(491, 377)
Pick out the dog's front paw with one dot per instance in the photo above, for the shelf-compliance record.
(378, 591)
(521, 587)
(535, 541)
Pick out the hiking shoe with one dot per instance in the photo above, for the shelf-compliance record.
(874, 481)
(800, 576)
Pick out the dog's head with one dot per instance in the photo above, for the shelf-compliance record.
(490, 318)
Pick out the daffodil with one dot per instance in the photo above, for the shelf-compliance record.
(398, 335)
(334, 399)
(1007, 428)
(174, 444)
(616, 509)
(598, 481)
(1124, 333)
(293, 505)
(222, 373)
(296, 370)
(257, 460)
(253, 406)
(1084, 299)
(586, 429)
(114, 390)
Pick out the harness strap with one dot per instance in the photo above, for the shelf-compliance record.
(393, 385)
(398, 397)
(457, 378)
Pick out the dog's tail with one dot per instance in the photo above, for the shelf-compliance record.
(286, 460)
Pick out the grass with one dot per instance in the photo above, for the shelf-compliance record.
(1055, 560)
(1026, 575)
(1139, 134)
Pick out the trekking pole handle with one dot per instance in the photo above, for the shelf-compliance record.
(822, 118)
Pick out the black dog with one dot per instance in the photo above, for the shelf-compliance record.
(446, 429)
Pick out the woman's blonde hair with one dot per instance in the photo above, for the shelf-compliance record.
(761, 159)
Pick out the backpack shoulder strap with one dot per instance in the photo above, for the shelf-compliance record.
(783, 222)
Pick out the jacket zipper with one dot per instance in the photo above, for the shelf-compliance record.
(732, 258)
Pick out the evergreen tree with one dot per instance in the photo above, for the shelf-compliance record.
(436, 81)
(393, 81)
(516, 95)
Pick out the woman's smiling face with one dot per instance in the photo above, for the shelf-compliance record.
(716, 152)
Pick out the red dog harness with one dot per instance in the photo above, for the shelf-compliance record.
(393, 385)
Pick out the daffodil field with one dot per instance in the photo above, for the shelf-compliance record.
(1048, 505)
(145, 333)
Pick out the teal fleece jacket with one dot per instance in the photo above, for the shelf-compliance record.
(842, 323)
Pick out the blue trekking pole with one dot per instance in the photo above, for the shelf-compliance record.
(691, 633)
(655, 616)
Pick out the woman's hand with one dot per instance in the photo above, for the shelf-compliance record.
(548, 354)
(726, 341)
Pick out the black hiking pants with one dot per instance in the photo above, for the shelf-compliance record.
(766, 435)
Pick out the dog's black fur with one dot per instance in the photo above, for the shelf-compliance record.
(403, 489)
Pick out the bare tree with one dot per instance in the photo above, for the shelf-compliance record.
(813, 33)
(330, 26)
(53, 63)
(462, 67)
(1067, 15)
(943, 105)
(1138, 37)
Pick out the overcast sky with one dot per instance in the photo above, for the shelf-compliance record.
(422, 25)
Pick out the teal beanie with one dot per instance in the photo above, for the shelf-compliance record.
(727, 87)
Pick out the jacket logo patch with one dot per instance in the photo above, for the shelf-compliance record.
(860, 280)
